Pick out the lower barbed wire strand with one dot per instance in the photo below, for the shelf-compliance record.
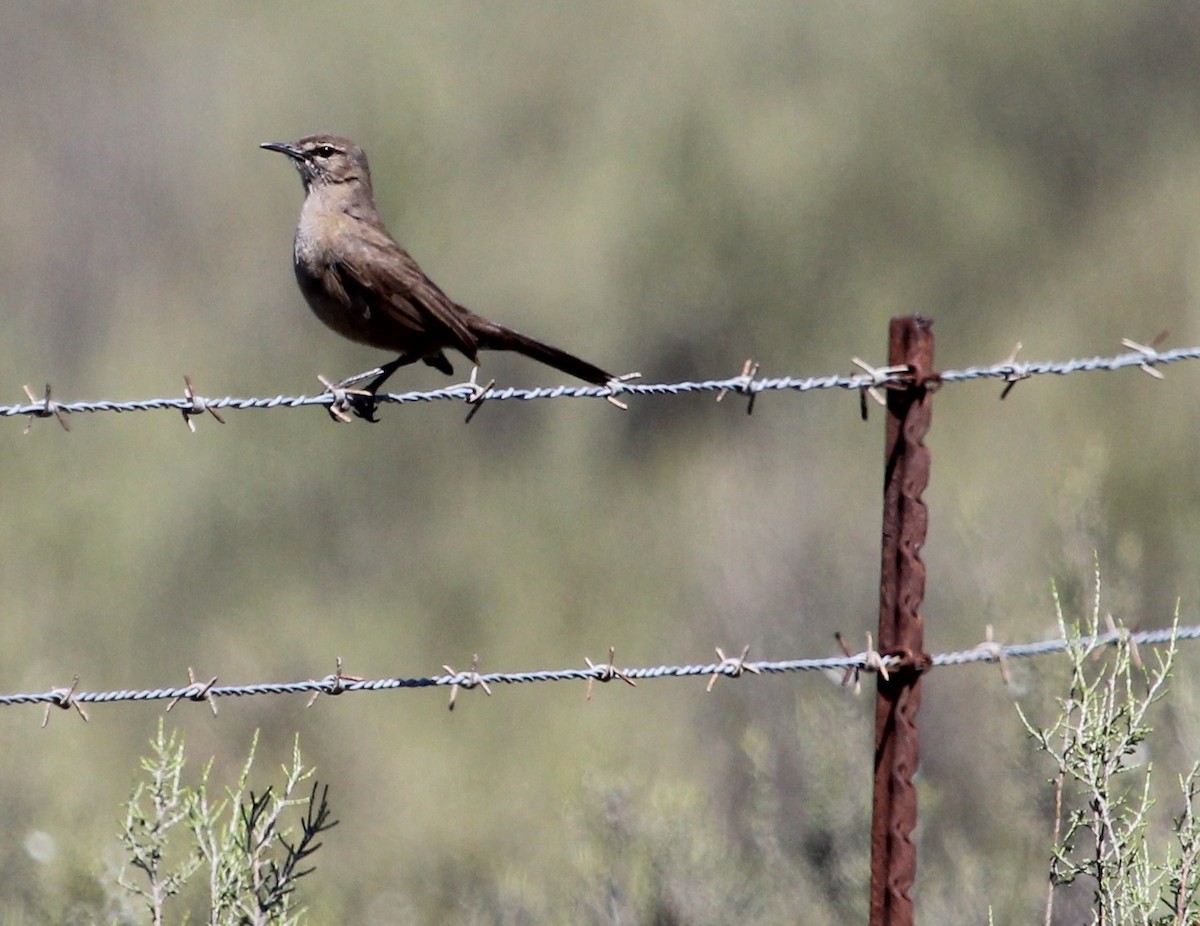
(729, 668)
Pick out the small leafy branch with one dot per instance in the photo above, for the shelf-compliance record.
(1103, 792)
(253, 862)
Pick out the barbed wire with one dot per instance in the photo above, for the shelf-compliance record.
(850, 666)
(1011, 371)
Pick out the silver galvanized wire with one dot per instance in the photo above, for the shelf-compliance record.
(1009, 370)
(727, 668)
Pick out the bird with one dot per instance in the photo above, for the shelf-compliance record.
(362, 284)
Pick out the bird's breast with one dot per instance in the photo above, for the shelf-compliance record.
(326, 292)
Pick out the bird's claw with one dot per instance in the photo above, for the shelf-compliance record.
(364, 405)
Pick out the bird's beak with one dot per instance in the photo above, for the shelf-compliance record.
(284, 148)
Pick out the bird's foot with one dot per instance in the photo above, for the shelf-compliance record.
(364, 405)
(361, 402)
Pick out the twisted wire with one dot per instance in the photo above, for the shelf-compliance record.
(726, 667)
(1009, 370)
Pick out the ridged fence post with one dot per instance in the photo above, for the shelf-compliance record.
(901, 629)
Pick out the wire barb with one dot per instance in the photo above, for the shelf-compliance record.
(1149, 352)
(197, 691)
(743, 384)
(477, 395)
(852, 673)
(333, 684)
(49, 407)
(605, 673)
(65, 699)
(874, 660)
(359, 377)
(1125, 635)
(342, 402)
(995, 651)
(466, 680)
(1016, 372)
(731, 666)
(615, 386)
(879, 379)
(196, 405)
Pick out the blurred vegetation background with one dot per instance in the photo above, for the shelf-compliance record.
(660, 186)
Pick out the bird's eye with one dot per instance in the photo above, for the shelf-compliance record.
(325, 151)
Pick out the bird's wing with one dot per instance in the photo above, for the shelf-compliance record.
(375, 263)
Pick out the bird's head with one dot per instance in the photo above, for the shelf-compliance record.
(323, 160)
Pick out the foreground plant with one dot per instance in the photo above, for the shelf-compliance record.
(252, 860)
(1102, 790)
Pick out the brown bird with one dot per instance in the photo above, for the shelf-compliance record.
(364, 286)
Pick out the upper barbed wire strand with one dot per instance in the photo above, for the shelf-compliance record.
(1007, 370)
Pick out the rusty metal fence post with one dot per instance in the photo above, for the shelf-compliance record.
(901, 629)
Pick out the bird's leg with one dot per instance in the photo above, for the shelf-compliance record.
(388, 369)
(362, 401)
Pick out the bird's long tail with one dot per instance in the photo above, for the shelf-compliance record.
(493, 336)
